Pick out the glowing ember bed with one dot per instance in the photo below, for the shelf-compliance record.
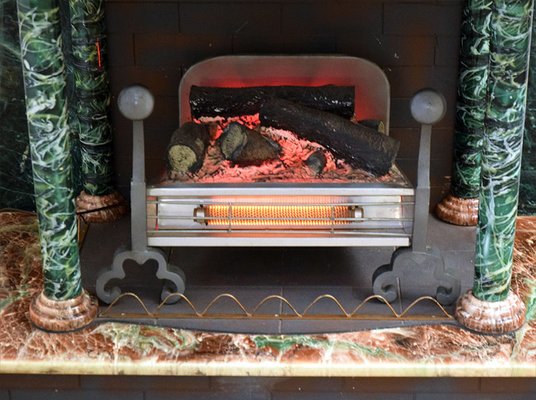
(280, 202)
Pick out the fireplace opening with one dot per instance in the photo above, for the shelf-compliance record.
(286, 175)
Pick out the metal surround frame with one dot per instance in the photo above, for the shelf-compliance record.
(372, 102)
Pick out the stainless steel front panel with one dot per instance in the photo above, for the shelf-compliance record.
(385, 219)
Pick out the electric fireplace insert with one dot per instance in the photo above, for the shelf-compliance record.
(238, 176)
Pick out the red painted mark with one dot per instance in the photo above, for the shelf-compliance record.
(99, 56)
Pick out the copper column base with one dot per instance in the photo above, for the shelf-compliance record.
(107, 208)
(63, 315)
(458, 211)
(491, 317)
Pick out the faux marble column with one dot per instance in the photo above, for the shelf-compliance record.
(527, 189)
(460, 207)
(491, 306)
(85, 48)
(62, 305)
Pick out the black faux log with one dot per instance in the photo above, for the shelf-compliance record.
(246, 146)
(187, 147)
(230, 102)
(360, 146)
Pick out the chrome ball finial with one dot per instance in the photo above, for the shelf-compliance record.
(135, 102)
(428, 106)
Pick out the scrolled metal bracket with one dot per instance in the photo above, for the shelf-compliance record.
(420, 262)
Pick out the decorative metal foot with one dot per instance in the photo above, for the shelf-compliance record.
(173, 276)
(493, 317)
(63, 315)
(458, 211)
(408, 268)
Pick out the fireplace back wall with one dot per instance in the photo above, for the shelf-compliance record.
(414, 41)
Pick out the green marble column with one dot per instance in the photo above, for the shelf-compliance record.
(44, 82)
(500, 169)
(85, 49)
(460, 207)
(62, 305)
(471, 102)
(16, 182)
(527, 189)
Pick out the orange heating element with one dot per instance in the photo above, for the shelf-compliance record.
(275, 215)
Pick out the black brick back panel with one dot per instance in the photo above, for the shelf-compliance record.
(414, 41)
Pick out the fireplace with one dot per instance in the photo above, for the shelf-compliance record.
(259, 207)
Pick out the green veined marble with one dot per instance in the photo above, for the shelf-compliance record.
(44, 83)
(86, 50)
(501, 148)
(470, 106)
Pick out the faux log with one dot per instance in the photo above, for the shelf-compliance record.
(246, 146)
(360, 146)
(230, 102)
(316, 162)
(187, 147)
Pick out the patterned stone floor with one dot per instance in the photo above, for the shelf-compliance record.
(122, 348)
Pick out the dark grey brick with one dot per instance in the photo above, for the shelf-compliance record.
(213, 395)
(342, 396)
(422, 18)
(78, 395)
(475, 396)
(413, 385)
(343, 17)
(447, 50)
(409, 142)
(4, 395)
(142, 17)
(261, 385)
(284, 44)
(39, 381)
(177, 50)
(508, 385)
(145, 383)
(405, 81)
(229, 18)
(387, 50)
(309, 385)
(161, 81)
(440, 170)
(120, 49)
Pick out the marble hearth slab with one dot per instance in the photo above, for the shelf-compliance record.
(121, 348)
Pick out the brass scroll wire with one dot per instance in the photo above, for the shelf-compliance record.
(206, 314)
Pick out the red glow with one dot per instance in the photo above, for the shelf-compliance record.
(290, 167)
